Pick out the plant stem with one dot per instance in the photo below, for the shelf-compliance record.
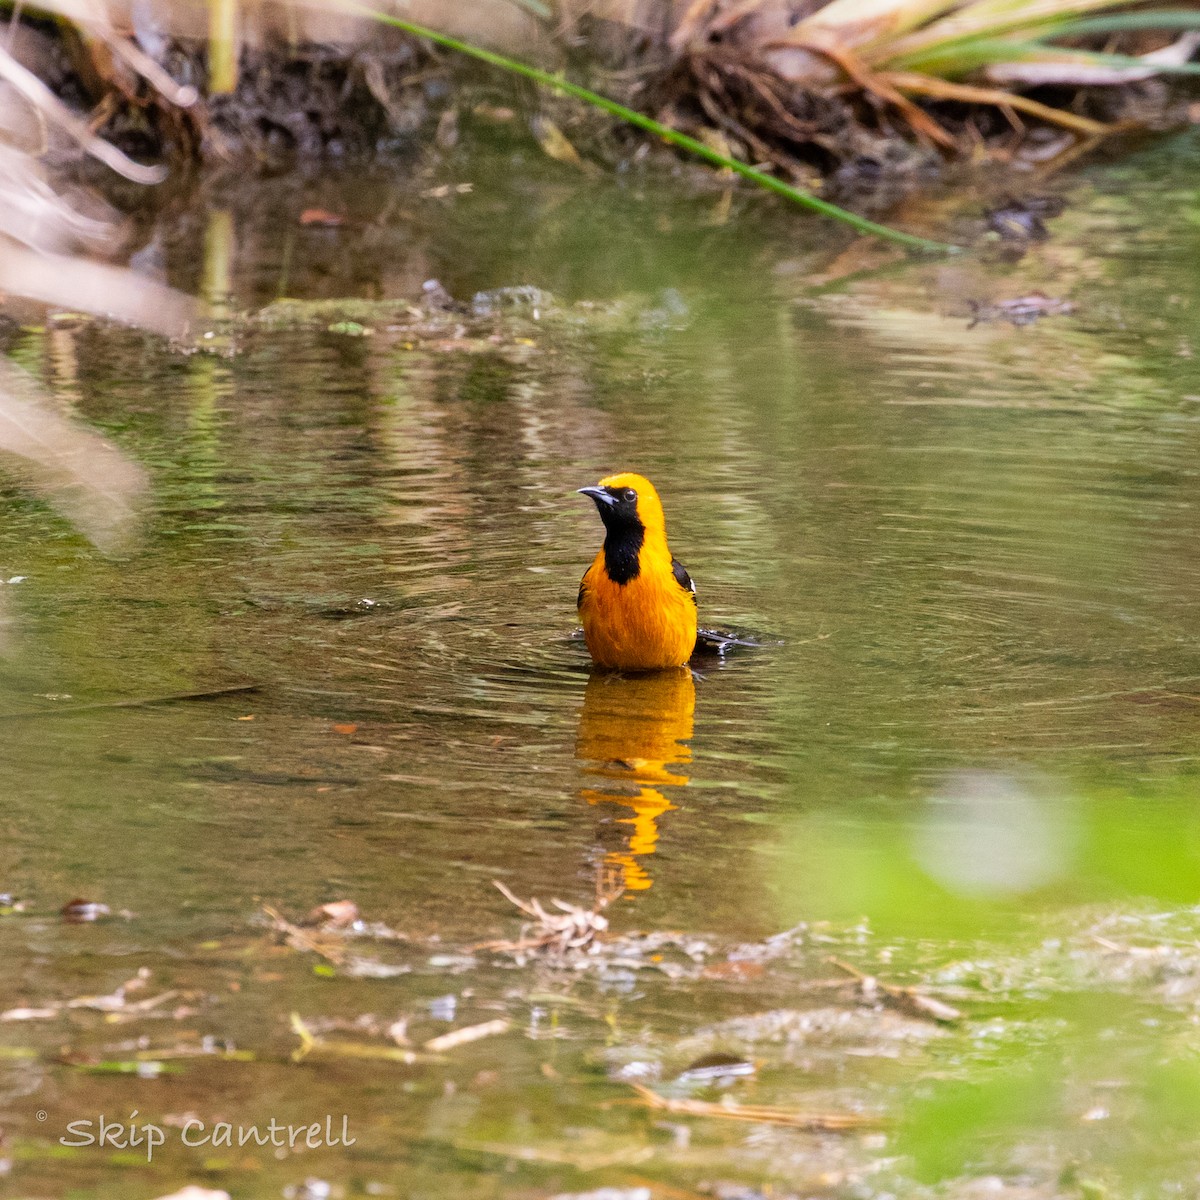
(222, 46)
(674, 137)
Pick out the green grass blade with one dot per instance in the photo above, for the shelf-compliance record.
(988, 51)
(698, 148)
(988, 19)
(961, 58)
(1125, 22)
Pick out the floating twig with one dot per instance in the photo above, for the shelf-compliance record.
(907, 999)
(768, 1114)
(138, 702)
(471, 1033)
(311, 1042)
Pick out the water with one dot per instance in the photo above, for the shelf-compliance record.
(970, 761)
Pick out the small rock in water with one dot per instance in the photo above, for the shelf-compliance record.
(1022, 220)
(443, 1008)
(1023, 310)
(713, 1068)
(488, 304)
(435, 297)
(337, 914)
(80, 911)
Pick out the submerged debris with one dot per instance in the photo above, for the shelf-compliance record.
(116, 1005)
(326, 931)
(1024, 220)
(1023, 310)
(572, 928)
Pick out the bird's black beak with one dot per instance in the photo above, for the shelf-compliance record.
(602, 496)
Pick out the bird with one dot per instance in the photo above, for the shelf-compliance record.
(637, 603)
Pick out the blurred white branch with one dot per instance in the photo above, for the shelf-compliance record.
(84, 286)
(82, 475)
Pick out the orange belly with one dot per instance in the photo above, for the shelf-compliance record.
(647, 624)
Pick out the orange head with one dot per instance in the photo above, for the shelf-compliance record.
(628, 500)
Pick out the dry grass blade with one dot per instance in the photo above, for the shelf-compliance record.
(38, 228)
(47, 103)
(943, 89)
(865, 22)
(95, 19)
(766, 1114)
(311, 1043)
(471, 1033)
(879, 85)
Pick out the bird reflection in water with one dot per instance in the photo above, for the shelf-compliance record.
(633, 732)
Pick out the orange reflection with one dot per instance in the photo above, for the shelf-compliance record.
(632, 731)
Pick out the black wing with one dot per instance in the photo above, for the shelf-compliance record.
(682, 577)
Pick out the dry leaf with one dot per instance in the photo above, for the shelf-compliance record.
(322, 217)
(556, 145)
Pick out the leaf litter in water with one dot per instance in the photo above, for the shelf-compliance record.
(805, 1060)
(326, 930)
(1022, 310)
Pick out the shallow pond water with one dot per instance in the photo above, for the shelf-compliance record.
(967, 757)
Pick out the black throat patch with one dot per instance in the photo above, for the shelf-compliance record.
(622, 546)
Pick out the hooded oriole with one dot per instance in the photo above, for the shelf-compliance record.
(633, 734)
(637, 603)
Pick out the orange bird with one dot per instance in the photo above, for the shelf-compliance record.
(636, 602)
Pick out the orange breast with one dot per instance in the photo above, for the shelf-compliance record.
(647, 624)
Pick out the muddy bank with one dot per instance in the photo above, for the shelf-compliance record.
(307, 90)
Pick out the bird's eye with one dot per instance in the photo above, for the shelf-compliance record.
(629, 494)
